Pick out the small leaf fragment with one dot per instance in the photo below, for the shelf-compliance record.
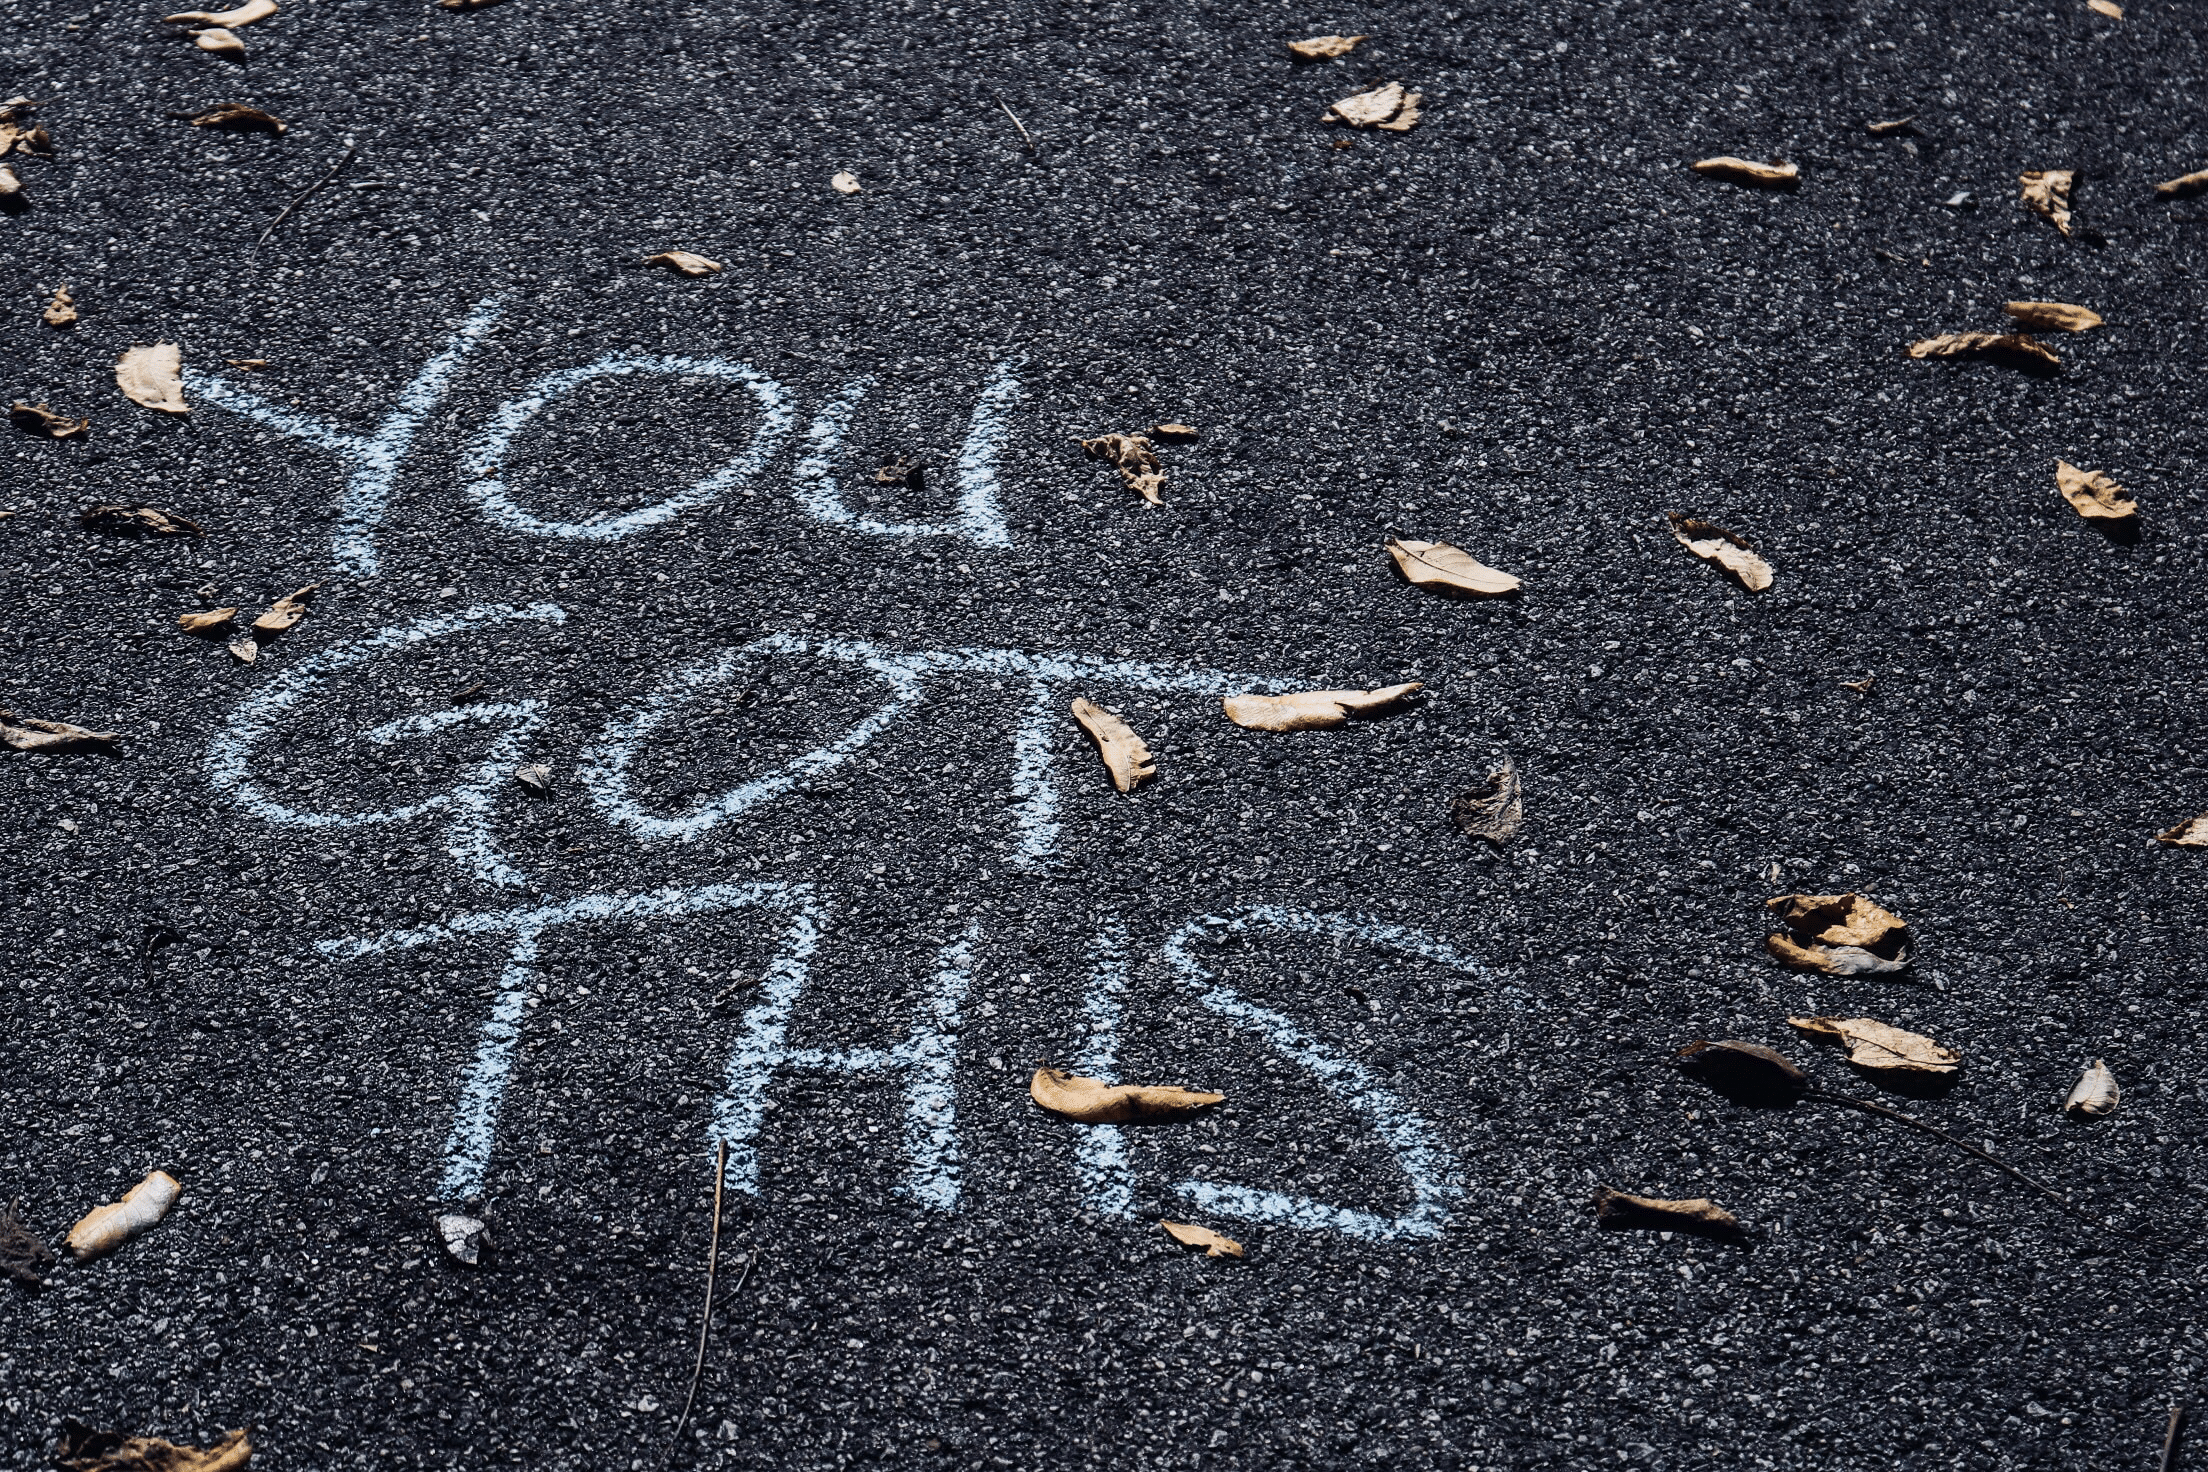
(844, 183)
(2184, 186)
(683, 263)
(1311, 710)
(2011, 349)
(62, 310)
(1749, 1073)
(137, 521)
(1621, 1210)
(1441, 568)
(1493, 810)
(220, 41)
(1324, 48)
(2192, 833)
(2095, 1095)
(1722, 549)
(2053, 316)
(465, 4)
(105, 1228)
(2093, 495)
(237, 117)
(153, 377)
(2108, 8)
(1174, 434)
(244, 15)
(1092, 1101)
(1213, 1244)
(26, 733)
(39, 420)
(84, 1450)
(1775, 175)
(1388, 108)
(2047, 192)
(10, 186)
(1125, 755)
(22, 1256)
(244, 650)
(537, 777)
(209, 621)
(1879, 1046)
(284, 612)
(1839, 935)
(1891, 126)
(1136, 459)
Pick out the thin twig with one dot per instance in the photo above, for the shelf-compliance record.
(1025, 137)
(285, 213)
(2171, 1438)
(1997, 1163)
(705, 1325)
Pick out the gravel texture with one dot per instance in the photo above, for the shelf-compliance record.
(1524, 327)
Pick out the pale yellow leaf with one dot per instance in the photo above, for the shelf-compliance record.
(1125, 755)
(2095, 1095)
(1880, 1046)
(1324, 48)
(1311, 710)
(220, 41)
(2108, 8)
(1441, 568)
(153, 377)
(2053, 316)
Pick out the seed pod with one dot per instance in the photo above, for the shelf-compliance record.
(2095, 1095)
(1746, 1073)
(108, 1227)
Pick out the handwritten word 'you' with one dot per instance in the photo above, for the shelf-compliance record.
(371, 460)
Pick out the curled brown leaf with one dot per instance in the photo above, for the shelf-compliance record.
(2192, 833)
(27, 733)
(1839, 935)
(62, 310)
(221, 41)
(1730, 554)
(84, 1450)
(1125, 755)
(1312, 710)
(1774, 175)
(1213, 1244)
(207, 621)
(137, 521)
(1494, 809)
(2093, 495)
(1388, 108)
(1324, 48)
(2010, 349)
(2047, 193)
(238, 117)
(1092, 1101)
(1136, 460)
(105, 1228)
(2053, 316)
(284, 613)
(39, 420)
(683, 263)
(1623, 1211)
(2184, 186)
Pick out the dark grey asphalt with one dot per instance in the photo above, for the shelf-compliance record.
(1523, 327)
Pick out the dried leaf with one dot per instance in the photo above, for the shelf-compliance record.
(2048, 192)
(844, 183)
(901, 471)
(1125, 756)
(2184, 186)
(39, 420)
(683, 262)
(1892, 126)
(2095, 1095)
(2108, 8)
(2093, 495)
(1137, 460)
(244, 15)
(153, 377)
(244, 650)
(1747, 1072)
(105, 1228)
(1880, 1047)
(465, 4)
(250, 365)
(236, 117)
(221, 42)
(2053, 316)
(464, 1239)
(137, 521)
(211, 621)
(1324, 48)
(1714, 544)
(1213, 1244)
(1092, 1101)
(1621, 1210)
(1388, 108)
(2192, 833)
(62, 310)
(1441, 568)
(2011, 349)
(1311, 710)
(84, 1450)
(10, 186)
(1174, 434)
(1773, 175)
(1839, 935)
(22, 1256)
(25, 733)
(537, 778)
(284, 612)
(1494, 810)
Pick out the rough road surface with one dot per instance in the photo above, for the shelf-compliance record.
(825, 866)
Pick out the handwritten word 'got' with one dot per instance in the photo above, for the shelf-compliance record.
(467, 808)
(372, 460)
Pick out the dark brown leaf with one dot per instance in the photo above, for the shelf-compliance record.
(1494, 809)
(137, 521)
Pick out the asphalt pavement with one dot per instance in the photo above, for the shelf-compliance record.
(823, 865)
